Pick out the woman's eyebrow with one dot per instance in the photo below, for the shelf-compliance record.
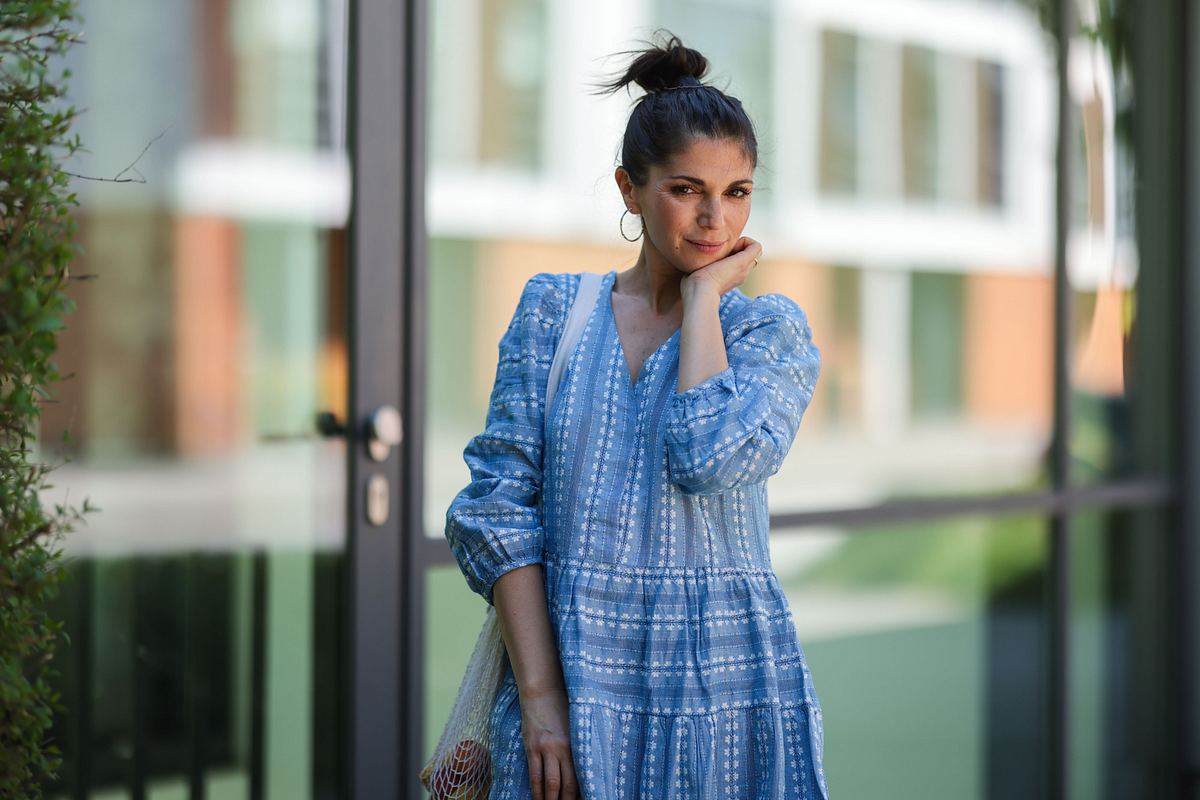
(699, 182)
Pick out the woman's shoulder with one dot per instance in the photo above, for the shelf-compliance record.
(544, 305)
(550, 294)
(550, 289)
(545, 296)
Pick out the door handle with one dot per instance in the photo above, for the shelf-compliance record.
(329, 426)
(384, 429)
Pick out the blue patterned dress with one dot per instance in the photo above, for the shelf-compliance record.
(682, 664)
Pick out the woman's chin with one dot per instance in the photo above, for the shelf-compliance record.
(688, 267)
(700, 262)
(687, 263)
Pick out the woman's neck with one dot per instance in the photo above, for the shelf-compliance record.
(653, 279)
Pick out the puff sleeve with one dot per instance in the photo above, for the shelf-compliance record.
(494, 524)
(736, 427)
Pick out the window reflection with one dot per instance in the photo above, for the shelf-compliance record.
(926, 646)
(906, 203)
(489, 62)
(991, 143)
(839, 113)
(209, 336)
(1102, 264)
(920, 114)
(1117, 651)
(513, 53)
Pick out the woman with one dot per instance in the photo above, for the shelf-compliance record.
(652, 653)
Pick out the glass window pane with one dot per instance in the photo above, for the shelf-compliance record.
(1118, 653)
(511, 81)
(926, 646)
(488, 69)
(1108, 414)
(919, 121)
(211, 336)
(990, 78)
(453, 617)
(933, 383)
(937, 308)
(839, 154)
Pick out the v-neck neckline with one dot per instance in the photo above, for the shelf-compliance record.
(612, 316)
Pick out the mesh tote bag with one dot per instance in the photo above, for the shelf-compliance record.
(460, 767)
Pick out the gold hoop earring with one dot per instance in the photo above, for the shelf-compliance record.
(621, 225)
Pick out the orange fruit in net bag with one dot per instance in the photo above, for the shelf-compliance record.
(464, 774)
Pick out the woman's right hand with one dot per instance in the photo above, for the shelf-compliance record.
(546, 728)
(722, 275)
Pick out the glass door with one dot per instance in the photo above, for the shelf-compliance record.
(232, 605)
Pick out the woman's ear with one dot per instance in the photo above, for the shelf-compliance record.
(628, 190)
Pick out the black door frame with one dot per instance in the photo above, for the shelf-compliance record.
(386, 342)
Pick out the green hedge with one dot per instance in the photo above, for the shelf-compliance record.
(36, 247)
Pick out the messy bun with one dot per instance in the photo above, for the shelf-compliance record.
(664, 121)
(662, 67)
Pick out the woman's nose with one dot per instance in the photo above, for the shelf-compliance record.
(712, 215)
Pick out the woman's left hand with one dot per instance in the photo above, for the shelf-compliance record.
(723, 275)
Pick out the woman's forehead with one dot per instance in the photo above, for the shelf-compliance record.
(708, 159)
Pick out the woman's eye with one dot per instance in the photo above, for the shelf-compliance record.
(741, 193)
(682, 189)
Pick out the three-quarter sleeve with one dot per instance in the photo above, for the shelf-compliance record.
(494, 524)
(735, 428)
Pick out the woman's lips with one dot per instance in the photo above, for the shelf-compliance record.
(704, 247)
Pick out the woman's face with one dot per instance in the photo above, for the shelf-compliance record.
(695, 205)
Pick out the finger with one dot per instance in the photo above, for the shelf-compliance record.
(749, 252)
(535, 774)
(553, 778)
(570, 784)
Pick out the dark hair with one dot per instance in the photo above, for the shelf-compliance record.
(676, 108)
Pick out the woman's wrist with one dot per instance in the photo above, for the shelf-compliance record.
(538, 690)
(699, 294)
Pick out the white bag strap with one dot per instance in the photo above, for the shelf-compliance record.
(581, 309)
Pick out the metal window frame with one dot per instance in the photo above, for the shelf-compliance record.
(1186, 547)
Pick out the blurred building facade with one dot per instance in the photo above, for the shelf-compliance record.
(983, 525)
